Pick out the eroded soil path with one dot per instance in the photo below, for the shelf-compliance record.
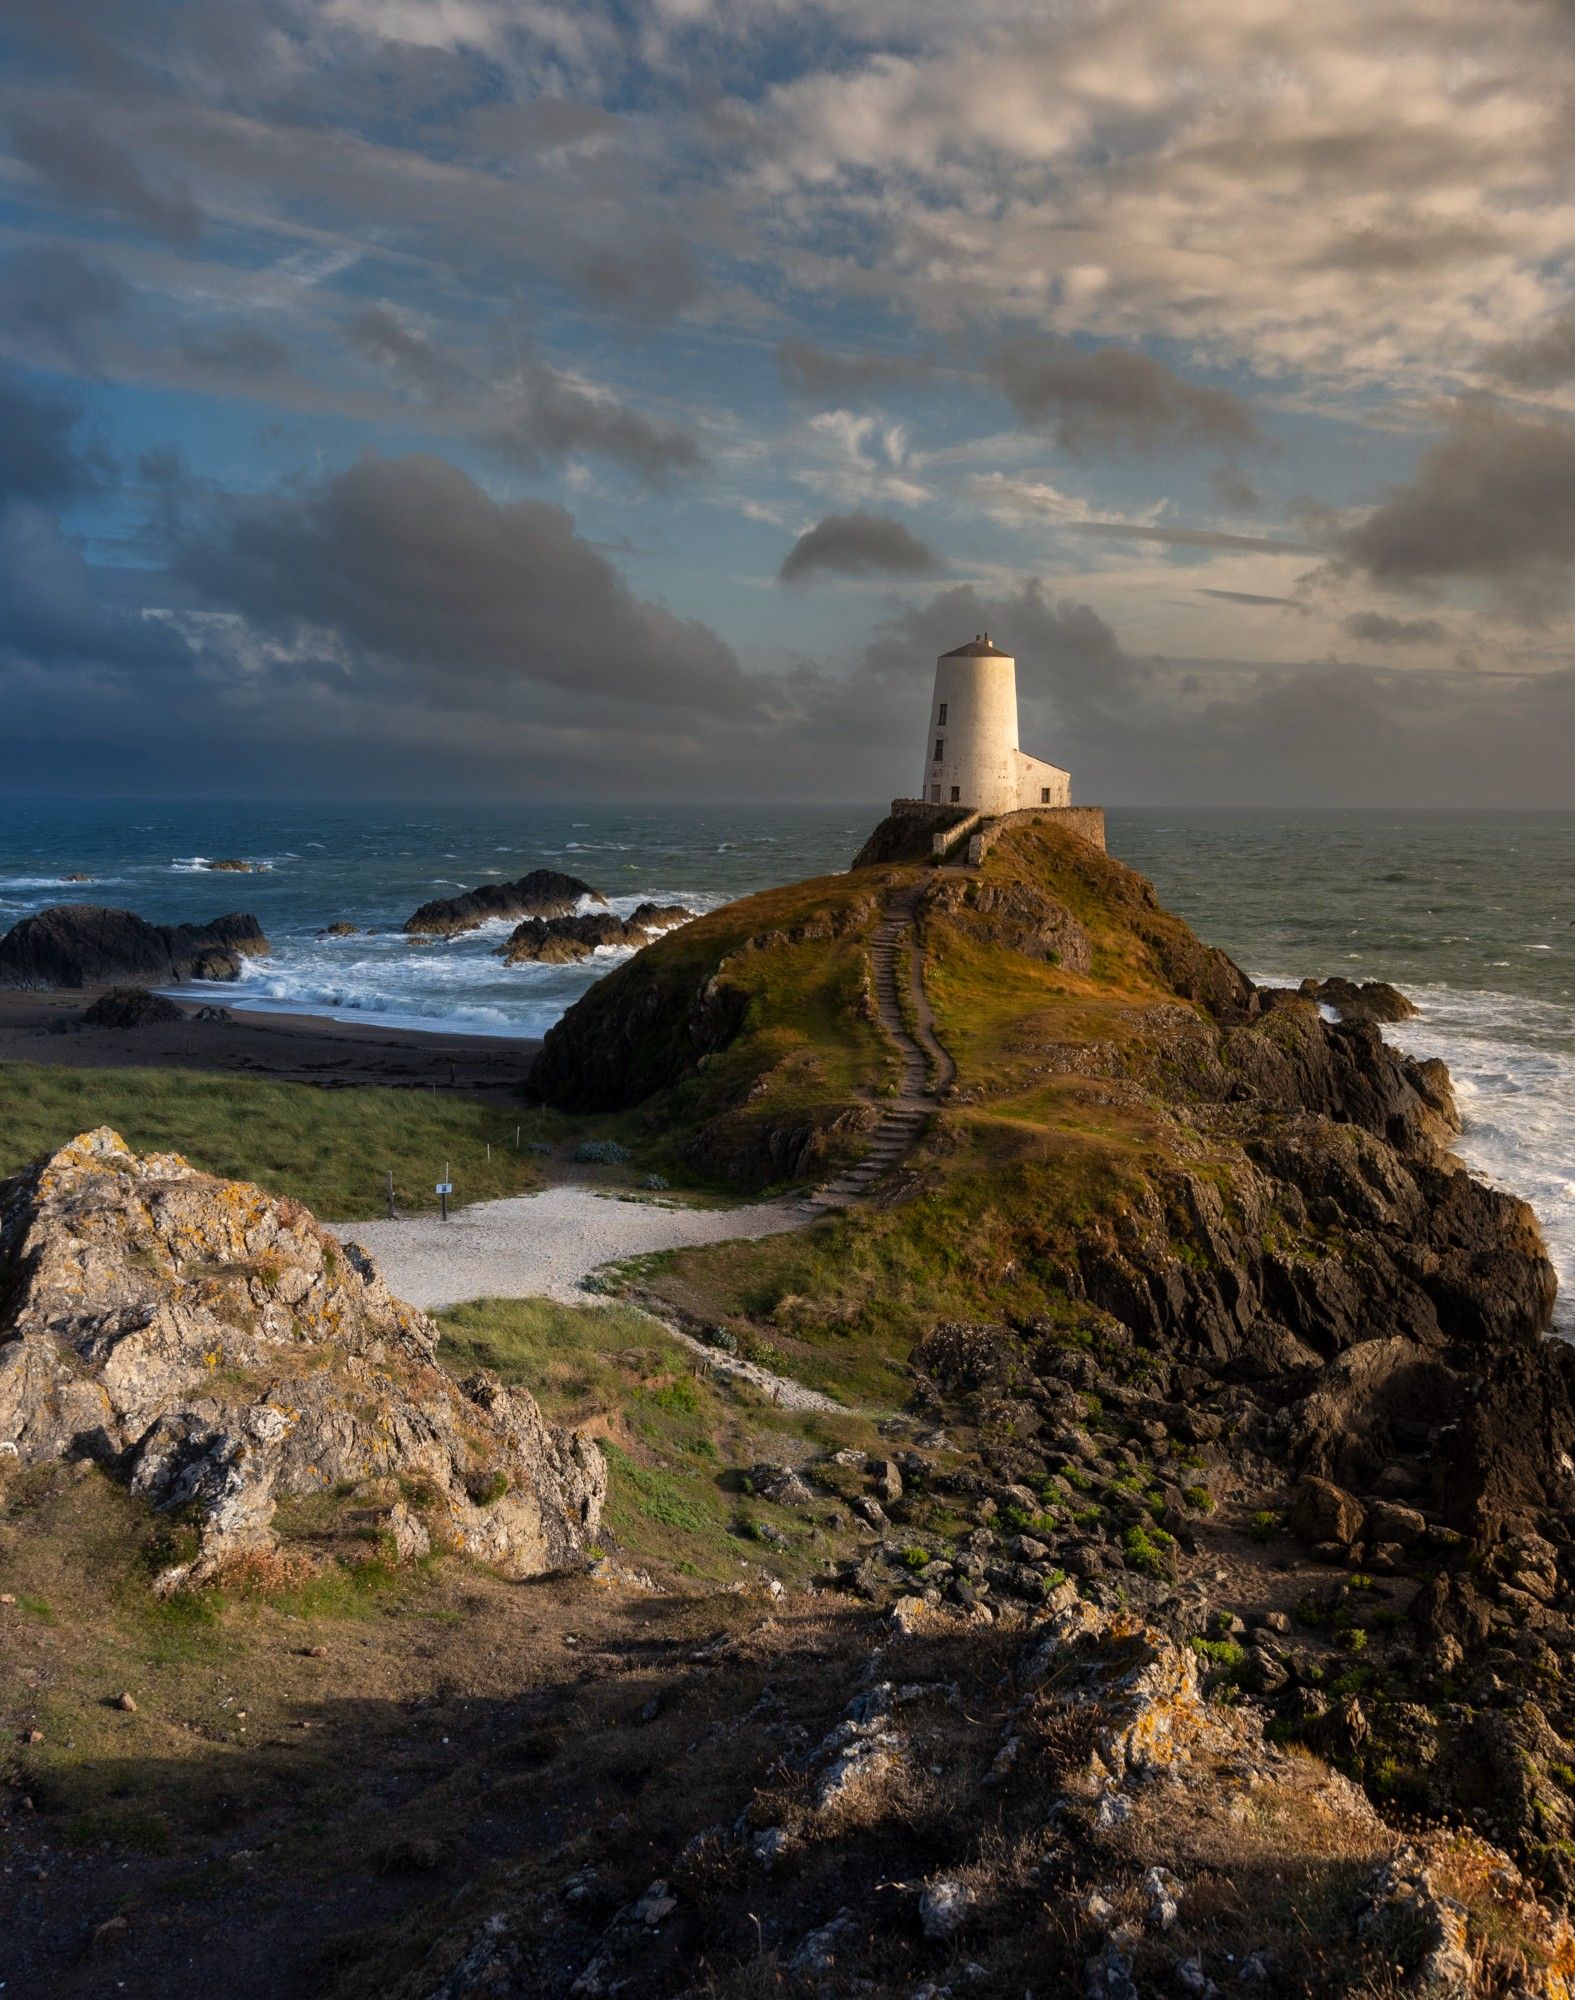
(927, 1070)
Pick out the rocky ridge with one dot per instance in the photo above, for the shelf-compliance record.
(84, 944)
(224, 1353)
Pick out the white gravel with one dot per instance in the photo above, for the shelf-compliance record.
(545, 1245)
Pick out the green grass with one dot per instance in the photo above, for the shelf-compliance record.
(328, 1148)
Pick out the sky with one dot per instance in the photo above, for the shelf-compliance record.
(499, 399)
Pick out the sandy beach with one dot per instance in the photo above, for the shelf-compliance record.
(43, 1027)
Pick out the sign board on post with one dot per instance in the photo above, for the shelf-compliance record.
(443, 1190)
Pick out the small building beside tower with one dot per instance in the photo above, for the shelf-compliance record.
(971, 753)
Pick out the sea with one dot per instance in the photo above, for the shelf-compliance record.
(1471, 913)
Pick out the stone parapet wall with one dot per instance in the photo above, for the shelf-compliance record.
(1088, 822)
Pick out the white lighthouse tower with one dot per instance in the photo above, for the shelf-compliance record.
(971, 756)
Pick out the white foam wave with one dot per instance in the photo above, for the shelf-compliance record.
(58, 882)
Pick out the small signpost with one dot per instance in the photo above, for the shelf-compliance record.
(444, 1189)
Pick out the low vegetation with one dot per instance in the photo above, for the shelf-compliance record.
(330, 1149)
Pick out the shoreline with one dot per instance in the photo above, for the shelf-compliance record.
(44, 1027)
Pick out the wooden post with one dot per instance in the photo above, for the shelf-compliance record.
(391, 1194)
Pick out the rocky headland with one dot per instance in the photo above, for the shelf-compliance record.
(1170, 1591)
(84, 944)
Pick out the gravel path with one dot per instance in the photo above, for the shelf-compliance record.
(545, 1245)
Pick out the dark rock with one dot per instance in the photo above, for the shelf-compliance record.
(1324, 1512)
(564, 940)
(1388, 1521)
(84, 944)
(232, 867)
(1369, 1000)
(908, 836)
(340, 929)
(132, 1007)
(544, 892)
(657, 917)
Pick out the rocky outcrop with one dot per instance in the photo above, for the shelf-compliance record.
(910, 836)
(83, 944)
(233, 867)
(223, 1352)
(132, 1007)
(1017, 915)
(544, 892)
(566, 940)
(1365, 1000)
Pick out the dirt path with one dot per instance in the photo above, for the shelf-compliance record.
(546, 1245)
(927, 1069)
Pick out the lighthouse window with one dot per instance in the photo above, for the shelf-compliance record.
(941, 718)
(1044, 795)
(956, 793)
(939, 747)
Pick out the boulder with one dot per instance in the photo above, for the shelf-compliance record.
(656, 917)
(84, 944)
(1389, 1521)
(232, 867)
(132, 1007)
(544, 892)
(340, 929)
(222, 1352)
(1323, 1512)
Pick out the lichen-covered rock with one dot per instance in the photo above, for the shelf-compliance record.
(222, 1350)
(85, 944)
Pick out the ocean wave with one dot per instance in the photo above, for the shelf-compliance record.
(58, 882)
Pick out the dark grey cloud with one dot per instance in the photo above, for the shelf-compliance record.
(651, 276)
(1109, 398)
(824, 376)
(1234, 488)
(57, 293)
(1492, 501)
(457, 596)
(1419, 245)
(40, 457)
(85, 168)
(236, 352)
(549, 415)
(1546, 361)
(1377, 628)
(379, 333)
(858, 544)
(1250, 597)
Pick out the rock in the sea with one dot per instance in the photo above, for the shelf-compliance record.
(232, 867)
(224, 1352)
(544, 892)
(1364, 1000)
(132, 1007)
(563, 940)
(340, 929)
(657, 917)
(85, 944)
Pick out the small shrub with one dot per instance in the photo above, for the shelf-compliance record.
(601, 1153)
(1226, 1653)
(916, 1557)
(1147, 1549)
(486, 1489)
(1264, 1525)
(656, 1183)
(1354, 1639)
(1199, 1498)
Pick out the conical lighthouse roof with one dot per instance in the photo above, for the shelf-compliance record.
(977, 648)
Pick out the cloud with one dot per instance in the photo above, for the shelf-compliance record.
(1251, 597)
(57, 293)
(553, 415)
(40, 459)
(858, 544)
(1194, 538)
(84, 167)
(236, 352)
(1111, 398)
(1234, 489)
(1491, 502)
(456, 596)
(1544, 361)
(651, 277)
(1377, 628)
(821, 375)
(384, 337)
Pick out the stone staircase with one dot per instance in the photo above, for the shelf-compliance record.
(926, 1067)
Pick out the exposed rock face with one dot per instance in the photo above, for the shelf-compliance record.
(544, 892)
(1367, 1000)
(909, 836)
(564, 940)
(132, 1007)
(225, 1352)
(84, 944)
(1015, 914)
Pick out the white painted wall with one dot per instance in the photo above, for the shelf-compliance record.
(977, 741)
